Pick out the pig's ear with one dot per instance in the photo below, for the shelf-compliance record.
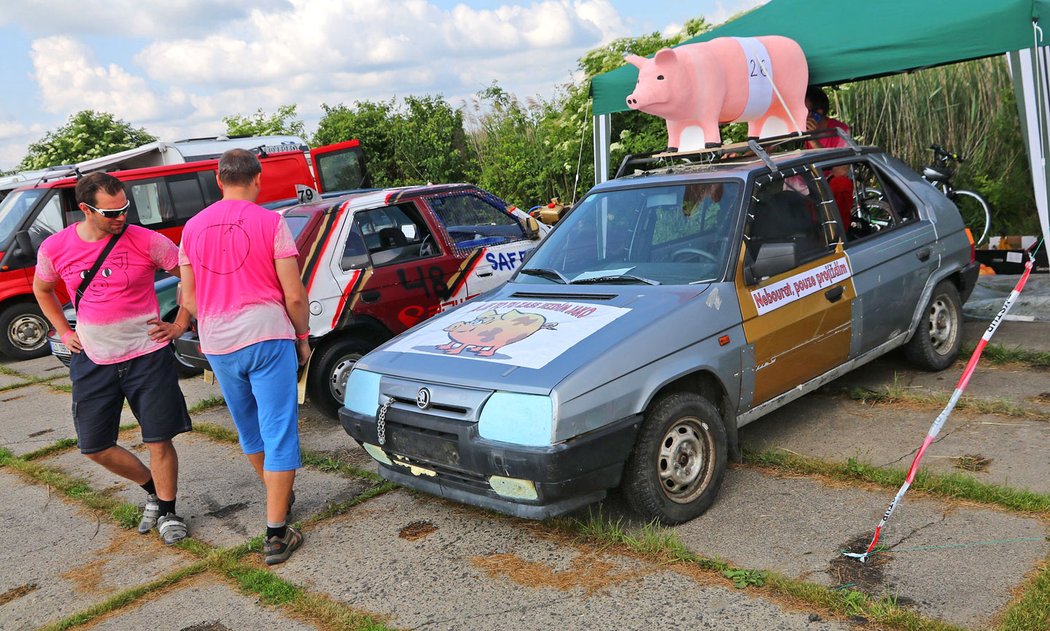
(665, 56)
(635, 60)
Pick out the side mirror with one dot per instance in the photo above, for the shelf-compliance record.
(25, 243)
(532, 228)
(774, 257)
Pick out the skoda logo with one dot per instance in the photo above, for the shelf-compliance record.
(423, 398)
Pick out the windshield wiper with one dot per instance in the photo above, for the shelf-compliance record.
(549, 274)
(612, 278)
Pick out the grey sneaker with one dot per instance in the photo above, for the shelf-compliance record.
(277, 550)
(172, 529)
(150, 513)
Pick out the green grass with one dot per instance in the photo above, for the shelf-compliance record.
(1000, 355)
(127, 515)
(897, 394)
(59, 445)
(323, 462)
(957, 486)
(1032, 609)
(662, 546)
(207, 404)
(216, 432)
(127, 597)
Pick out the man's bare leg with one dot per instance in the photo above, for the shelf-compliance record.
(164, 464)
(122, 462)
(278, 492)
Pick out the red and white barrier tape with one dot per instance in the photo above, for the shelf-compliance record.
(943, 416)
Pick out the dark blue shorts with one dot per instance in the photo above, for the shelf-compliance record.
(148, 382)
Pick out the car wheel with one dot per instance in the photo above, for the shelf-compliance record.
(184, 368)
(935, 344)
(329, 370)
(679, 460)
(23, 331)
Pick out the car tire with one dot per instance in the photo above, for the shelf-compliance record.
(184, 368)
(326, 383)
(938, 336)
(23, 331)
(679, 459)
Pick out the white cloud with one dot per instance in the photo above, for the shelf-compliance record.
(70, 80)
(133, 18)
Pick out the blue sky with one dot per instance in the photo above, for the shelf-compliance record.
(177, 67)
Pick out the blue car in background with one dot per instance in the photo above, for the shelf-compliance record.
(167, 299)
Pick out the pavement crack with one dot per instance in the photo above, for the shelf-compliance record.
(915, 531)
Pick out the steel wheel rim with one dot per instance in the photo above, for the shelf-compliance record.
(684, 460)
(943, 327)
(27, 332)
(340, 373)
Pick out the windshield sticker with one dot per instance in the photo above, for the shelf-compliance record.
(800, 285)
(529, 334)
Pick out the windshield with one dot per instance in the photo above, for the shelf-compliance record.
(13, 211)
(665, 234)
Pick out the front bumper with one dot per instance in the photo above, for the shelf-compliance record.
(447, 458)
(58, 349)
(189, 349)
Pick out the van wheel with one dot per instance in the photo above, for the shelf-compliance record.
(679, 460)
(23, 331)
(935, 344)
(329, 370)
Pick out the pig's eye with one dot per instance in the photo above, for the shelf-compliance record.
(659, 77)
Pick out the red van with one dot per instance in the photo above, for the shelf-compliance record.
(162, 198)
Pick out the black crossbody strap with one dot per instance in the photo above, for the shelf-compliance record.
(94, 269)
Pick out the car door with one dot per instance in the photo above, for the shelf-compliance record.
(391, 269)
(794, 285)
(890, 247)
(491, 241)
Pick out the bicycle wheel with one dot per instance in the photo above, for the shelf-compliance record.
(975, 214)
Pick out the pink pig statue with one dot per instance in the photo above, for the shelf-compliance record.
(761, 80)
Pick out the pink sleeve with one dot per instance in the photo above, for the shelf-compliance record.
(184, 259)
(164, 253)
(283, 243)
(45, 269)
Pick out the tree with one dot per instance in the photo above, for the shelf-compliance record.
(371, 123)
(87, 134)
(283, 121)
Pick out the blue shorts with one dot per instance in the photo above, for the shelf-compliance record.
(150, 384)
(259, 384)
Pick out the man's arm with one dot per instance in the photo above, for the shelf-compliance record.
(295, 303)
(52, 309)
(163, 331)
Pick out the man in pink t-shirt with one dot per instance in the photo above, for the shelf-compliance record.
(240, 276)
(120, 348)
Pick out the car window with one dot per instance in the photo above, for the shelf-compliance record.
(48, 221)
(186, 196)
(355, 254)
(340, 171)
(790, 208)
(867, 200)
(473, 221)
(675, 234)
(149, 202)
(393, 234)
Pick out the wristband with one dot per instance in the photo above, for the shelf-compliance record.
(302, 336)
(66, 335)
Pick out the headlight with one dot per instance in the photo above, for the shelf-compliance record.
(523, 419)
(362, 392)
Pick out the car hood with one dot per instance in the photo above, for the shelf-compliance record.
(531, 340)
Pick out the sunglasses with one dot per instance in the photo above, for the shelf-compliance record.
(110, 213)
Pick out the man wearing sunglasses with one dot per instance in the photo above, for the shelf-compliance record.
(120, 349)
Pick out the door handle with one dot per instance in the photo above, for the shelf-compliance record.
(369, 296)
(484, 274)
(833, 295)
(924, 254)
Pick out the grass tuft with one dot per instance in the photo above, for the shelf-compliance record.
(216, 432)
(60, 445)
(206, 404)
(949, 485)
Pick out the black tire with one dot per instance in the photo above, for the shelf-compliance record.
(935, 344)
(326, 383)
(23, 331)
(679, 459)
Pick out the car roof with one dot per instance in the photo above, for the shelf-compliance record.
(369, 198)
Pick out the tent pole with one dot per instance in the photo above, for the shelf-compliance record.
(602, 138)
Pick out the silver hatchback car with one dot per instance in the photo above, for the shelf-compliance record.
(687, 297)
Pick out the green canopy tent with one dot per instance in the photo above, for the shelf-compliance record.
(860, 39)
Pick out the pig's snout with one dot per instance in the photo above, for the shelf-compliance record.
(632, 102)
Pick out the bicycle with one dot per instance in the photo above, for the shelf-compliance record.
(973, 208)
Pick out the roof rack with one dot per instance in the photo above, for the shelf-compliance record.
(762, 148)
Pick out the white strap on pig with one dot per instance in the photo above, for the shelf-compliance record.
(759, 78)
